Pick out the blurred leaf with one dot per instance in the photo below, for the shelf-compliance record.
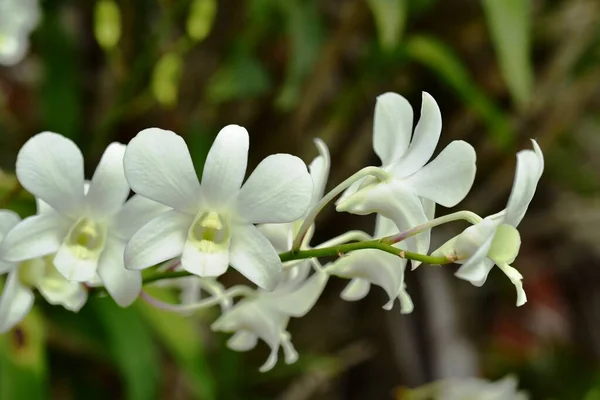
(390, 19)
(510, 24)
(201, 18)
(305, 30)
(14, 197)
(131, 347)
(241, 78)
(107, 23)
(179, 336)
(165, 79)
(60, 90)
(23, 360)
(443, 62)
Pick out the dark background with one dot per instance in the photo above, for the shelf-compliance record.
(502, 71)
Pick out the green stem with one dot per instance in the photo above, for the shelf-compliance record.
(334, 251)
(310, 218)
(459, 215)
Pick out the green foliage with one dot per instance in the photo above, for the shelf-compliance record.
(201, 18)
(443, 62)
(390, 19)
(107, 23)
(165, 79)
(23, 360)
(131, 346)
(509, 22)
(181, 338)
(60, 89)
(242, 77)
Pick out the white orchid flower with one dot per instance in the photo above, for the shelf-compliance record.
(17, 20)
(17, 296)
(87, 229)
(409, 195)
(211, 224)
(374, 267)
(266, 316)
(495, 240)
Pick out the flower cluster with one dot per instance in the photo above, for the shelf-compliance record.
(190, 231)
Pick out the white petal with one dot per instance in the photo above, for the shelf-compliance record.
(447, 179)
(429, 208)
(212, 262)
(516, 278)
(73, 266)
(158, 166)
(242, 341)
(279, 190)
(384, 227)
(392, 127)
(280, 235)
(298, 303)
(356, 289)
(475, 272)
(16, 301)
(254, 257)
(506, 244)
(406, 303)
(134, 214)
(50, 166)
(394, 201)
(59, 291)
(425, 139)
(8, 220)
(379, 268)
(530, 165)
(123, 285)
(159, 240)
(225, 165)
(13, 48)
(33, 237)
(109, 188)
(474, 268)
(319, 171)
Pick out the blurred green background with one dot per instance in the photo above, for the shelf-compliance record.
(503, 71)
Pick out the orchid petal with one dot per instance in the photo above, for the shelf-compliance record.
(392, 200)
(516, 279)
(392, 127)
(33, 237)
(280, 235)
(123, 285)
(253, 256)
(208, 262)
(319, 171)
(73, 266)
(59, 291)
(530, 165)
(356, 289)
(448, 178)
(134, 214)
(297, 303)
(424, 141)
(242, 341)
(225, 165)
(109, 188)
(15, 303)
(279, 190)
(159, 240)
(474, 269)
(50, 166)
(158, 166)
